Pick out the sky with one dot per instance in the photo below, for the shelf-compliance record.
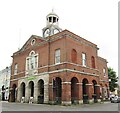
(94, 20)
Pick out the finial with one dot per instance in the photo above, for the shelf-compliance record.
(52, 10)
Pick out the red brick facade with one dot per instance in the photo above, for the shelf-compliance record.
(72, 76)
(60, 67)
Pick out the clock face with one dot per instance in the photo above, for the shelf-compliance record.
(56, 31)
(47, 33)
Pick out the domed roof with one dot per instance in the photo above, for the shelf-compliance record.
(52, 14)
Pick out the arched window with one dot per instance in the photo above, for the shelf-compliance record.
(74, 56)
(32, 61)
(93, 61)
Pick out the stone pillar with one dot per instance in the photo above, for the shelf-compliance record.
(46, 92)
(35, 98)
(27, 93)
(80, 96)
(16, 94)
(10, 95)
(66, 93)
(19, 95)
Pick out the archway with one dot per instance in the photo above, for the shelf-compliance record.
(94, 87)
(84, 88)
(40, 91)
(3, 93)
(22, 89)
(31, 89)
(58, 90)
(13, 93)
(94, 90)
(74, 90)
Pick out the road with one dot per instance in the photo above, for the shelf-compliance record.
(106, 106)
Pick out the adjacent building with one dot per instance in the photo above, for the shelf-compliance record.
(59, 67)
(5, 83)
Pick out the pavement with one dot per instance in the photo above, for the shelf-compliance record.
(105, 106)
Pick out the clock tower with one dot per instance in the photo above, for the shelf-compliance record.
(52, 25)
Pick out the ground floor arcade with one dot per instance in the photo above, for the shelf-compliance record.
(58, 89)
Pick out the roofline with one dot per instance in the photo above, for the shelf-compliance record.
(102, 59)
(79, 36)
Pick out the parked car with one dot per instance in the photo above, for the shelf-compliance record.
(111, 97)
(115, 99)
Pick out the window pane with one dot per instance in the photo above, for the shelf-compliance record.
(32, 61)
(35, 61)
(57, 56)
(83, 56)
(104, 71)
(15, 68)
(27, 64)
(83, 59)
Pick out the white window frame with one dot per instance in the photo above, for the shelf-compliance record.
(84, 59)
(15, 69)
(57, 56)
(32, 61)
(104, 72)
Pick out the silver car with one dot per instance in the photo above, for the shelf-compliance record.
(115, 99)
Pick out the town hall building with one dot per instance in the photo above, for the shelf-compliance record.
(59, 68)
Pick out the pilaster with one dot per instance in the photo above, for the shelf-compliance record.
(66, 93)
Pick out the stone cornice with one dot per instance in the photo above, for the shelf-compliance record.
(52, 65)
(58, 71)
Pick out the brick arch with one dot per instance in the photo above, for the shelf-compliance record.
(94, 81)
(106, 85)
(101, 84)
(14, 86)
(84, 78)
(53, 76)
(91, 79)
(69, 78)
